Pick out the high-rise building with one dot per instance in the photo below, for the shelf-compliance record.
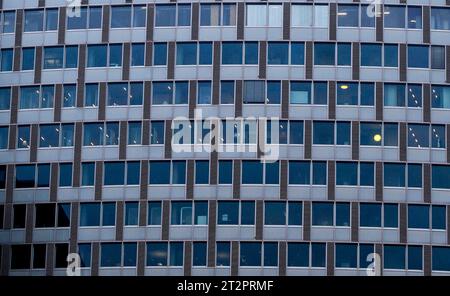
(150, 137)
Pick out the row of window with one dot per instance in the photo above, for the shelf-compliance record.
(251, 254)
(371, 214)
(257, 15)
(232, 53)
(300, 172)
(232, 132)
(253, 92)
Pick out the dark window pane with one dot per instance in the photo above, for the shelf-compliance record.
(322, 213)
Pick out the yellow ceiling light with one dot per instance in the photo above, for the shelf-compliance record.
(377, 138)
(344, 86)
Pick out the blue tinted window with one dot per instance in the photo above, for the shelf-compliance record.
(278, 53)
(419, 216)
(159, 172)
(247, 213)
(370, 215)
(394, 175)
(181, 92)
(295, 213)
(223, 254)
(394, 94)
(318, 254)
(71, 57)
(165, 15)
(187, 53)
(108, 214)
(162, 93)
(323, 132)
(205, 57)
(298, 254)
(299, 172)
(115, 55)
(297, 53)
(319, 172)
(272, 174)
(347, 173)
(204, 92)
(227, 92)
(273, 92)
(43, 179)
(228, 213)
(111, 254)
(114, 173)
(295, 132)
(232, 53)
(131, 213)
(371, 55)
(184, 14)
(252, 172)
(90, 214)
(391, 215)
(344, 51)
(438, 217)
(4, 137)
(394, 16)
(250, 254)
(440, 258)
(199, 254)
(181, 213)
(322, 213)
(9, 21)
(275, 213)
(364, 251)
(367, 94)
(251, 53)
(370, 134)
(95, 17)
(159, 54)
(6, 60)
(34, 20)
(179, 172)
(348, 15)
(5, 98)
(440, 176)
(97, 56)
(394, 257)
(65, 174)
(84, 250)
(300, 93)
(271, 254)
(129, 254)
(157, 254)
(120, 16)
(320, 93)
(202, 172)
(133, 172)
(23, 137)
(200, 212)
(139, 15)
(154, 213)
(27, 59)
(415, 258)
(418, 56)
(137, 54)
(343, 133)
(157, 132)
(414, 175)
(346, 255)
(225, 171)
(324, 54)
(343, 214)
(391, 55)
(347, 93)
(176, 254)
(414, 95)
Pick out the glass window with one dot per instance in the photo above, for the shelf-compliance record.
(438, 57)
(418, 56)
(228, 213)
(108, 214)
(275, 213)
(302, 15)
(5, 98)
(27, 59)
(251, 53)
(250, 254)
(71, 57)
(438, 217)
(115, 56)
(200, 212)
(298, 254)
(162, 93)
(394, 94)
(204, 92)
(84, 250)
(137, 54)
(440, 18)
(440, 176)
(297, 53)
(201, 172)
(157, 253)
(70, 95)
(247, 213)
(418, 135)
(364, 251)
(323, 132)
(129, 254)
(97, 55)
(181, 213)
(225, 171)
(414, 95)
(120, 16)
(421, 214)
(295, 213)
(437, 136)
(278, 53)
(159, 54)
(414, 175)
(20, 256)
(415, 257)
(23, 137)
(394, 175)
(254, 92)
(154, 213)
(300, 92)
(371, 55)
(205, 53)
(319, 172)
(348, 15)
(187, 53)
(343, 214)
(93, 134)
(367, 97)
(229, 14)
(273, 92)
(394, 257)
(29, 97)
(272, 173)
(344, 54)
(439, 259)
(157, 132)
(346, 255)
(65, 174)
(414, 17)
(347, 93)
(322, 213)
(295, 132)
(252, 172)
(184, 14)
(440, 96)
(159, 172)
(6, 60)
(343, 133)
(4, 130)
(299, 172)
(9, 21)
(347, 173)
(178, 172)
(370, 134)
(320, 93)
(49, 135)
(53, 57)
(176, 254)
(390, 215)
(131, 213)
(226, 92)
(87, 173)
(324, 54)
(394, 16)
(43, 178)
(270, 254)
(90, 214)
(199, 254)
(210, 14)
(367, 19)
(133, 172)
(111, 254)
(139, 15)
(232, 53)
(391, 55)
(112, 133)
(91, 95)
(134, 133)
(95, 17)
(117, 94)
(370, 215)
(223, 254)
(34, 20)
(76, 22)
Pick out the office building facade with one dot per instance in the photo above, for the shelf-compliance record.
(101, 102)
